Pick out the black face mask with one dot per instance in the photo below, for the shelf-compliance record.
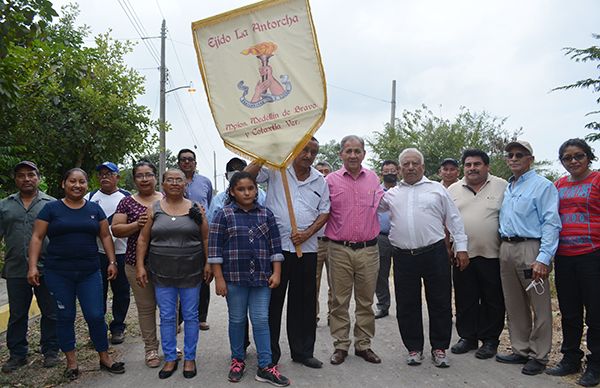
(390, 178)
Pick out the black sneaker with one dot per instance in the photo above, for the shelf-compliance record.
(117, 337)
(50, 360)
(13, 364)
(564, 368)
(271, 375)
(591, 377)
(487, 350)
(236, 370)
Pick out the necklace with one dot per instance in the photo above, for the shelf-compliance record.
(173, 218)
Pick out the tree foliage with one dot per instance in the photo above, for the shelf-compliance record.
(586, 55)
(77, 104)
(439, 138)
(330, 153)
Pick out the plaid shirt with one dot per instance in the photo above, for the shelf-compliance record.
(244, 243)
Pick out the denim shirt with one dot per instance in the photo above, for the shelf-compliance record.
(530, 209)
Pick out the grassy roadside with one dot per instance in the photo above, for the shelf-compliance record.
(34, 375)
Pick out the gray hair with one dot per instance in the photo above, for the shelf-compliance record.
(352, 137)
(324, 163)
(411, 151)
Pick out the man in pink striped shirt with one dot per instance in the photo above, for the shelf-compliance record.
(353, 254)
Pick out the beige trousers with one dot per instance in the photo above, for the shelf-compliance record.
(146, 306)
(322, 261)
(529, 314)
(352, 269)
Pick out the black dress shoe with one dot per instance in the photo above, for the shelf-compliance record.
(338, 356)
(117, 368)
(165, 374)
(564, 368)
(487, 350)
(381, 314)
(591, 377)
(533, 367)
(368, 355)
(310, 362)
(511, 358)
(463, 346)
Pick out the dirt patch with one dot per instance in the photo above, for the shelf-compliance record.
(35, 375)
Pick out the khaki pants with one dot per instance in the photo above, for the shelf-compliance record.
(322, 261)
(146, 306)
(352, 269)
(529, 314)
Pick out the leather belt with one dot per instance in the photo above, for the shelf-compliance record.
(519, 239)
(356, 245)
(419, 251)
(323, 238)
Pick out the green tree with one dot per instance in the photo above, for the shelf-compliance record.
(589, 54)
(439, 138)
(330, 153)
(78, 103)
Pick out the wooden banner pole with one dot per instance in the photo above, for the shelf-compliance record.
(288, 198)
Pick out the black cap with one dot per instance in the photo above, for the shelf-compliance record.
(26, 163)
(449, 160)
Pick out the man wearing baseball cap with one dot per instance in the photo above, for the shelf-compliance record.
(17, 215)
(448, 172)
(108, 197)
(529, 230)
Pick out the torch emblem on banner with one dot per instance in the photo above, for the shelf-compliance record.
(268, 89)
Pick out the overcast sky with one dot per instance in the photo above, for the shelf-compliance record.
(503, 57)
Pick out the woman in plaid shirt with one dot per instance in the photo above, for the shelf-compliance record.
(244, 250)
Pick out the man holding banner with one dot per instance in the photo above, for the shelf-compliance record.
(353, 254)
(310, 196)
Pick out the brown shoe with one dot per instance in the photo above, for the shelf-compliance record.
(368, 355)
(338, 356)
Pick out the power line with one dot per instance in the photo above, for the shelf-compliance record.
(358, 93)
(139, 29)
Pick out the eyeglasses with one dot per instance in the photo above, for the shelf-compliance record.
(518, 155)
(184, 159)
(148, 175)
(578, 157)
(174, 181)
(107, 175)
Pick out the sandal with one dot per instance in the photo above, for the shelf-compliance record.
(71, 374)
(116, 368)
(152, 359)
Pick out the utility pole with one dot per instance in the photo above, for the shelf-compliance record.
(393, 116)
(162, 163)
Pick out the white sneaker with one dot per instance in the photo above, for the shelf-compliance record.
(439, 358)
(414, 358)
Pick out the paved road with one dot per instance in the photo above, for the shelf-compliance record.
(213, 362)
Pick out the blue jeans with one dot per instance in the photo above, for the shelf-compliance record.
(20, 294)
(120, 290)
(166, 299)
(86, 286)
(240, 300)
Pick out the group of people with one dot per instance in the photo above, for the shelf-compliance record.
(493, 240)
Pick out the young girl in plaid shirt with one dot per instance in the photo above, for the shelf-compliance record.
(244, 250)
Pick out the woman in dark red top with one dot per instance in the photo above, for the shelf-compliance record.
(129, 219)
(578, 261)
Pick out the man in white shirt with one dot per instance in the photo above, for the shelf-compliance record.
(108, 197)
(310, 199)
(419, 210)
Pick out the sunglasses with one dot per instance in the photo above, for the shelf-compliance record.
(518, 155)
(577, 157)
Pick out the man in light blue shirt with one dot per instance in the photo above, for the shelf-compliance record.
(529, 229)
(234, 165)
(389, 174)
